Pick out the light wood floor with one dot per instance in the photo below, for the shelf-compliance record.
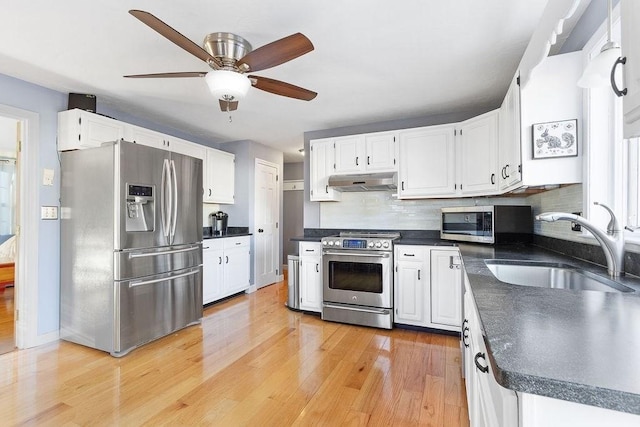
(251, 362)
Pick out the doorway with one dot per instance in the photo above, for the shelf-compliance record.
(266, 218)
(10, 131)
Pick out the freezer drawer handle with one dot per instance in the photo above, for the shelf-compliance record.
(148, 254)
(164, 279)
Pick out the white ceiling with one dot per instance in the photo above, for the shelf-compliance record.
(374, 60)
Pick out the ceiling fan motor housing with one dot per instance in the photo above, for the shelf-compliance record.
(228, 47)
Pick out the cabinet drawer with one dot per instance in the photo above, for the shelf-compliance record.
(310, 248)
(410, 253)
(212, 245)
(235, 242)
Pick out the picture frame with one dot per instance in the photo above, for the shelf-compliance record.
(555, 139)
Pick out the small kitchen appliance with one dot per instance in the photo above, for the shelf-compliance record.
(219, 223)
(487, 224)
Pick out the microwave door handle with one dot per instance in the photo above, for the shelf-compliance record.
(174, 214)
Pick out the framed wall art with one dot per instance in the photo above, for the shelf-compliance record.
(555, 139)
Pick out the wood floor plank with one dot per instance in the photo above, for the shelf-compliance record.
(250, 362)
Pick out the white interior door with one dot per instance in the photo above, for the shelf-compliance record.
(266, 231)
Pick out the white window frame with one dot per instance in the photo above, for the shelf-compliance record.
(607, 162)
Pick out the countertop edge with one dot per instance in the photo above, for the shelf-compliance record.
(483, 284)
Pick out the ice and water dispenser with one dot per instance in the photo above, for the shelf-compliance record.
(141, 207)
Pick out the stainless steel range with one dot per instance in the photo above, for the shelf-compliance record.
(358, 278)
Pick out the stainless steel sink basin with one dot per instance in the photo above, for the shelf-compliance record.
(551, 275)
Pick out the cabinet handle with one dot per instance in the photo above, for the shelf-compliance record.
(418, 274)
(481, 368)
(206, 247)
(506, 171)
(317, 268)
(368, 162)
(493, 178)
(309, 250)
(502, 173)
(465, 337)
(617, 91)
(409, 254)
(260, 230)
(357, 161)
(220, 260)
(209, 192)
(227, 259)
(326, 189)
(402, 185)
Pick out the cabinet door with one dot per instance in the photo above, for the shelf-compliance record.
(509, 140)
(446, 287)
(479, 154)
(426, 165)
(219, 184)
(212, 273)
(411, 282)
(236, 269)
(311, 283)
(381, 152)
(321, 167)
(147, 137)
(630, 15)
(78, 129)
(188, 148)
(349, 154)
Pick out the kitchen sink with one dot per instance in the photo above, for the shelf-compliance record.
(551, 275)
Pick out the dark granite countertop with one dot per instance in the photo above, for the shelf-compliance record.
(226, 236)
(306, 239)
(580, 346)
(424, 242)
(231, 232)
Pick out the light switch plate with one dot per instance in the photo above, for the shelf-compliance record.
(48, 212)
(47, 176)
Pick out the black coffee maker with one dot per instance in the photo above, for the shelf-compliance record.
(219, 223)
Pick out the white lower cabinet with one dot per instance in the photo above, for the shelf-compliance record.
(226, 264)
(311, 276)
(428, 287)
(490, 405)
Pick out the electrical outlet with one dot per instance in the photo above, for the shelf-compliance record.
(48, 212)
(574, 225)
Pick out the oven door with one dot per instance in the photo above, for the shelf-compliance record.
(358, 278)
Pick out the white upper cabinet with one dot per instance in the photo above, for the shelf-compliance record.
(509, 162)
(78, 129)
(219, 180)
(187, 148)
(426, 162)
(349, 154)
(147, 137)
(381, 151)
(321, 167)
(630, 15)
(375, 152)
(479, 154)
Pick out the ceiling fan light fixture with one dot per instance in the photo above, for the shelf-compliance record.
(227, 85)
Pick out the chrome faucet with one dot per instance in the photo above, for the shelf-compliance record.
(612, 242)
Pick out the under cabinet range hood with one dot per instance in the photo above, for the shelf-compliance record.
(382, 181)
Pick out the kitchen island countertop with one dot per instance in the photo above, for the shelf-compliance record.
(580, 346)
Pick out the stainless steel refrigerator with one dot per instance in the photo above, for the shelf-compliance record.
(131, 245)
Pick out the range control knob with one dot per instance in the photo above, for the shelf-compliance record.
(330, 242)
(378, 244)
(370, 244)
(337, 243)
(324, 243)
(385, 245)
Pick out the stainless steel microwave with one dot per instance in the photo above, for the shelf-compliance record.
(487, 224)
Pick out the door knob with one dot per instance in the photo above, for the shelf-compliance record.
(260, 230)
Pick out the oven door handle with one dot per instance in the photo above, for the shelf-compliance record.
(352, 308)
(347, 253)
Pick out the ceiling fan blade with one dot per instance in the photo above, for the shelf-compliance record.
(281, 88)
(227, 106)
(163, 75)
(176, 37)
(276, 53)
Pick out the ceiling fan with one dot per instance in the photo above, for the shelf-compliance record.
(231, 57)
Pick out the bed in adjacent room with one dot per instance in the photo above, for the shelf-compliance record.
(7, 262)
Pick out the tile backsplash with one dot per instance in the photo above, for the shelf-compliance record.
(564, 199)
(379, 210)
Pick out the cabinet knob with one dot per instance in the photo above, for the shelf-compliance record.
(260, 230)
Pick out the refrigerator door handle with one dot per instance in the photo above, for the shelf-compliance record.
(133, 255)
(174, 214)
(163, 203)
(163, 279)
